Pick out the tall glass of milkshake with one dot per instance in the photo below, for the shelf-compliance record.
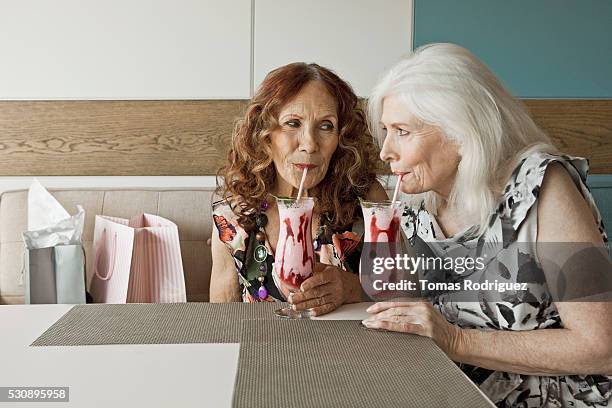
(382, 239)
(294, 258)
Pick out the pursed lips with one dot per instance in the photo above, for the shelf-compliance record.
(303, 166)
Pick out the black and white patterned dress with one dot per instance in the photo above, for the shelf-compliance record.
(513, 228)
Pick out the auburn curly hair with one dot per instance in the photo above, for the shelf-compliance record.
(249, 172)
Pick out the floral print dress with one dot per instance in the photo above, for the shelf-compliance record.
(332, 247)
(514, 228)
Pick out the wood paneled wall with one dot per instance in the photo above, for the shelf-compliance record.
(579, 127)
(186, 138)
(115, 138)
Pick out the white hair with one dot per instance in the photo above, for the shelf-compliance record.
(447, 86)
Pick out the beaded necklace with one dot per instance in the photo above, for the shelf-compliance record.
(260, 254)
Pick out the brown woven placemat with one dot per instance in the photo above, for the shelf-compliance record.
(341, 364)
(139, 323)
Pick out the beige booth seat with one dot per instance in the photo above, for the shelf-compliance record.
(190, 209)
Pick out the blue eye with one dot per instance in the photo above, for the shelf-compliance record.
(293, 123)
(402, 132)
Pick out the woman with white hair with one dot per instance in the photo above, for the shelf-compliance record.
(476, 170)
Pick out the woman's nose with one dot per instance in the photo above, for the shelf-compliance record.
(308, 141)
(388, 152)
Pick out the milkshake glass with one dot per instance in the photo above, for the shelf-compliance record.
(294, 257)
(382, 239)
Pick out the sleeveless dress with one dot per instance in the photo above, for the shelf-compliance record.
(341, 248)
(514, 228)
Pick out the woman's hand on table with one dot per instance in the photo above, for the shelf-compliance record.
(417, 317)
(323, 292)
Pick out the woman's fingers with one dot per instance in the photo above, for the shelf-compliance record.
(321, 283)
(300, 297)
(321, 293)
(326, 308)
(395, 312)
(413, 317)
(382, 306)
(408, 318)
(322, 274)
(315, 302)
(315, 280)
(397, 325)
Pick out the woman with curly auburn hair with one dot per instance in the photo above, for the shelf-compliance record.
(302, 116)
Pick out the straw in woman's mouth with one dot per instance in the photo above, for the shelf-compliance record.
(301, 190)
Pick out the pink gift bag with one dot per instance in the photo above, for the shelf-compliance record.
(137, 261)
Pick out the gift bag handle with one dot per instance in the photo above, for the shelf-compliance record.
(113, 255)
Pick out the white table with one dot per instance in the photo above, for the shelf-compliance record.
(148, 375)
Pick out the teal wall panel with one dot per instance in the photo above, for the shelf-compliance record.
(601, 187)
(539, 48)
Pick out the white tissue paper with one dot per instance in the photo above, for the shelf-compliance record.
(49, 224)
(53, 262)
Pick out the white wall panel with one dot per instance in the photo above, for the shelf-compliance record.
(125, 49)
(356, 38)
